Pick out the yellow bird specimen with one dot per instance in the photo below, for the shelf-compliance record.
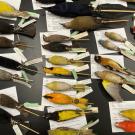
(7, 10)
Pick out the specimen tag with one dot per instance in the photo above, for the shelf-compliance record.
(17, 130)
(82, 68)
(27, 23)
(90, 124)
(34, 106)
(25, 76)
(21, 22)
(27, 104)
(74, 74)
(34, 61)
(86, 81)
(81, 56)
(74, 33)
(80, 35)
(128, 54)
(34, 15)
(130, 46)
(21, 82)
(78, 50)
(128, 88)
(94, 109)
(86, 92)
(19, 53)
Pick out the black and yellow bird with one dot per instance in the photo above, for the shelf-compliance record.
(112, 65)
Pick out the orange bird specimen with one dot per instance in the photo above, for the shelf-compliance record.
(62, 99)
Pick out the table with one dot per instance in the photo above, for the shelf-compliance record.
(99, 96)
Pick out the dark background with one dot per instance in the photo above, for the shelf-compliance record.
(98, 96)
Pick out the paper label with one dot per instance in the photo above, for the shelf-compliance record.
(20, 54)
(80, 35)
(34, 15)
(130, 46)
(115, 109)
(127, 54)
(34, 106)
(86, 92)
(81, 56)
(34, 61)
(74, 74)
(74, 33)
(82, 68)
(21, 22)
(86, 81)
(99, 2)
(17, 130)
(27, 23)
(94, 109)
(78, 50)
(128, 88)
(25, 76)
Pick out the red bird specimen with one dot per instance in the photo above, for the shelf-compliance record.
(128, 126)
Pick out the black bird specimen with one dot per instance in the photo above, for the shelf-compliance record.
(58, 47)
(74, 9)
(15, 65)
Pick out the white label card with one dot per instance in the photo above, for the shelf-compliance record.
(54, 22)
(20, 54)
(80, 35)
(100, 35)
(82, 68)
(115, 108)
(81, 56)
(83, 94)
(86, 81)
(17, 130)
(128, 88)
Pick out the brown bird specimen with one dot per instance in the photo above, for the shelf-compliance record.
(7, 43)
(9, 102)
(115, 36)
(109, 45)
(83, 23)
(60, 38)
(112, 77)
(56, 38)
